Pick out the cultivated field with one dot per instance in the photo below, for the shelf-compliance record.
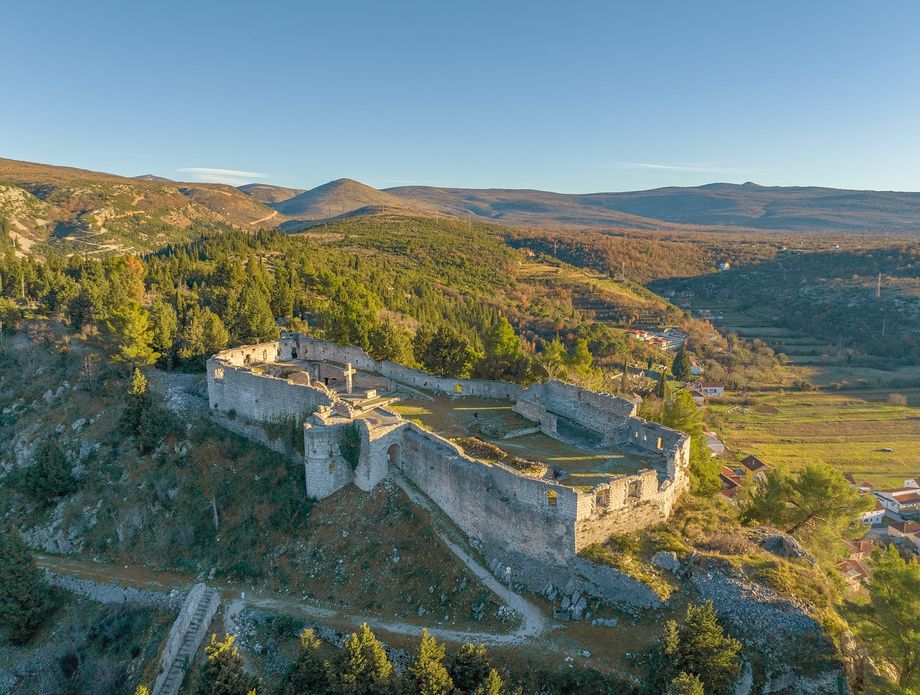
(848, 430)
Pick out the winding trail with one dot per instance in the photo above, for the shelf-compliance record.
(266, 218)
(533, 622)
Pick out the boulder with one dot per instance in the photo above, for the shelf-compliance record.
(666, 560)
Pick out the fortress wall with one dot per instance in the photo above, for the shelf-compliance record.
(326, 351)
(448, 386)
(245, 355)
(364, 381)
(536, 413)
(325, 469)
(259, 396)
(626, 504)
(598, 412)
(492, 504)
(319, 350)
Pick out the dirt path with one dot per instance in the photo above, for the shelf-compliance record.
(533, 621)
(532, 625)
(266, 218)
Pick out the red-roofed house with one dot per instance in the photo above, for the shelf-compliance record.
(901, 529)
(903, 501)
(912, 482)
(731, 481)
(854, 572)
(708, 389)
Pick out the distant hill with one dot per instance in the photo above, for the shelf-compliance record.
(774, 208)
(344, 196)
(266, 193)
(153, 177)
(82, 211)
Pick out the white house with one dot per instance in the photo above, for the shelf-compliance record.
(873, 516)
(709, 389)
(903, 501)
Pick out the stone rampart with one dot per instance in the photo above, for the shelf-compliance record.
(234, 386)
(598, 412)
(496, 506)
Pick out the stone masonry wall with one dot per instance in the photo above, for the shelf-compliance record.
(259, 396)
(494, 505)
(313, 349)
(598, 412)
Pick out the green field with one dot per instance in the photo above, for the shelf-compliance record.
(846, 430)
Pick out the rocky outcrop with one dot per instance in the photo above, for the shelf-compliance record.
(788, 648)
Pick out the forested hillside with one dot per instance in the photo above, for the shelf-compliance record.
(829, 296)
(91, 213)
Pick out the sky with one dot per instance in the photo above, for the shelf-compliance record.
(565, 96)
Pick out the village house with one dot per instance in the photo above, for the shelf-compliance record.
(904, 502)
(873, 516)
(732, 477)
(854, 573)
(709, 389)
(903, 529)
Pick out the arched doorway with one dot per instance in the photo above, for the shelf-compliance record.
(393, 455)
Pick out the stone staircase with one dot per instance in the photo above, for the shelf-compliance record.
(185, 637)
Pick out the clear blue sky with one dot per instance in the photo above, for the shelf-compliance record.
(566, 96)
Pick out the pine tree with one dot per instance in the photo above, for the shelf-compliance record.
(50, 474)
(362, 666)
(223, 672)
(214, 335)
(254, 320)
(680, 368)
(469, 666)
(685, 684)
(308, 673)
(130, 336)
(428, 672)
(697, 647)
(24, 596)
(491, 685)
(890, 626)
(444, 352)
(164, 326)
(680, 413)
(581, 358)
(815, 499)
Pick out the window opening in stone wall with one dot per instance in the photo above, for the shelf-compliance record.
(218, 373)
(602, 499)
(635, 489)
(552, 498)
(660, 444)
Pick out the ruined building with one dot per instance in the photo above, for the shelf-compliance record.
(529, 520)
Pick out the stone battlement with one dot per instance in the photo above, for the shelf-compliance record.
(497, 506)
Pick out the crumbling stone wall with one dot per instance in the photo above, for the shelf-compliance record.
(598, 412)
(234, 386)
(492, 504)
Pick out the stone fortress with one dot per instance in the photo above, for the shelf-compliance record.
(529, 522)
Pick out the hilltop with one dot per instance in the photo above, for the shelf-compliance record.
(267, 194)
(344, 196)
